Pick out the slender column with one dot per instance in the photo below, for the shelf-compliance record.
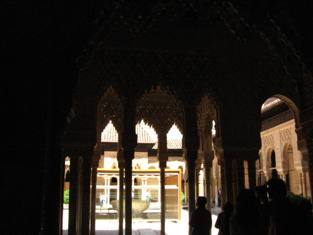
(252, 173)
(163, 202)
(53, 186)
(73, 196)
(208, 157)
(197, 186)
(121, 165)
(93, 198)
(162, 154)
(228, 180)
(223, 184)
(239, 175)
(128, 192)
(310, 152)
(79, 211)
(191, 146)
(86, 194)
(208, 171)
(191, 184)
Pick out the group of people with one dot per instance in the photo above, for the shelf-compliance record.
(267, 210)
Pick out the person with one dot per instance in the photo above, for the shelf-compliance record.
(245, 218)
(222, 221)
(282, 214)
(219, 198)
(263, 208)
(201, 221)
(102, 200)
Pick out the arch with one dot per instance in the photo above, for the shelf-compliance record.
(109, 133)
(289, 169)
(273, 159)
(174, 138)
(160, 108)
(270, 156)
(290, 103)
(109, 110)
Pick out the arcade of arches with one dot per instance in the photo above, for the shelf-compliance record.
(134, 152)
(233, 79)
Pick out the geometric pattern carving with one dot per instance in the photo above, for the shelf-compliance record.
(160, 109)
(206, 111)
(109, 108)
(285, 136)
(268, 141)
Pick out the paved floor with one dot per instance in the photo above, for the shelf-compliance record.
(141, 227)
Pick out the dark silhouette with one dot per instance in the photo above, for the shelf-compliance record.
(222, 221)
(281, 210)
(219, 198)
(245, 218)
(201, 221)
(263, 209)
(304, 217)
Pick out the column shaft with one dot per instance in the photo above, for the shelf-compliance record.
(252, 174)
(86, 196)
(228, 171)
(73, 196)
(310, 152)
(240, 176)
(191, 186)
(128, 194)
(163, 202)
(121, 200)
(93, 201)
(208, 183)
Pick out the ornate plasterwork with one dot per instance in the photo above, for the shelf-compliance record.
(206, 111)
(285, 137)
(268, 141)
(109, 108)
(160, 109)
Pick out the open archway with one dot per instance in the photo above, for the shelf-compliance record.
(280, 122)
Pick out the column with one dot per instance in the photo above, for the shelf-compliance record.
(128, 154)
(208, 179)
(86, 174)
(191, 145)
(93, 195)
(228, 180)
(53, 186)
(310, 152)
(239, 176)
(72, 223)
(121, 165)
(191, 183)
(128, 142)
(208, 158)
(162, 154)
(252, 173)
(197, 175)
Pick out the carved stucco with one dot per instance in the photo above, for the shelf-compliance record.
(159, 108)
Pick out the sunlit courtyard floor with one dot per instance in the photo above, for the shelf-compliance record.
(142, 227)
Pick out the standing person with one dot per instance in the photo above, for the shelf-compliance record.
(201, 221)
(223, 218)
(245, 220)
(282, 212)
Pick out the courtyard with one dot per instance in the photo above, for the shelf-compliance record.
(142, 227)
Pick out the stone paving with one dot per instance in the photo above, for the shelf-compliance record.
(140, 227)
